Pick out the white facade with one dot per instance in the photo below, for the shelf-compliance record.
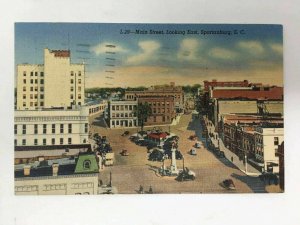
(57, 83)
(58, 185)
(97, 108)
(51, 127)
(121, 114)
(267, 141)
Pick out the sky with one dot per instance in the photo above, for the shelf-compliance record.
(123, 55)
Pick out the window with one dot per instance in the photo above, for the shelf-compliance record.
(31, 96)
(35, 88)
(24, 73)
(23, 141)
(41, 88)
(35, 96)
(72, 88)
(31, 81)
(31, 88)
(35, 141)
(61, 128)
(44, 141)
(53, 141)
(42, 74)
(84, 141)
(24, 129)
(24, 96)
(24, 81)
(276, 141)
(16, 142)
(24, 104)
(53, 128)
(79, 88)
(72, 73)
(69, 141)
(79, 81)
(61, 141)
(79, 73)
(41, 96)
(42, 104)
(24, 88)
(69, 128)
(86, 127)
(36, 73)
(72, 81)
(79, 96)
(42, 81)
(44, 128)
(36, 129)
(86, 164)
(31, 73)
(72, 96)
(113, 107)
(35, 81)
(16, 129)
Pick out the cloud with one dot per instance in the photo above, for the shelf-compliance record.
(148, 48)
(101, 48)
(252, 47)
(222, 53)
(188, 49)
(277, 48)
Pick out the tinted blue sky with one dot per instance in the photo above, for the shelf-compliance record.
(254, 53)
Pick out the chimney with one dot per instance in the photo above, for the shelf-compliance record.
(55, 167)
(27, 170)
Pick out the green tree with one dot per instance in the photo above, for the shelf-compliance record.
(143, 111)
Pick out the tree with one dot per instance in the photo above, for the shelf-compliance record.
(143, 111)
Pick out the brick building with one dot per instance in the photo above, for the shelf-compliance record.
(171, 90)
(215, 83)
(162, 107)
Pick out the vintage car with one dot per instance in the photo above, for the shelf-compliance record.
(228, 184)
(124, 152)
(193, 151)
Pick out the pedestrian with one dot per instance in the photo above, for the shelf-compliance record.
(150, 190)
(141, 190)
(231, 158)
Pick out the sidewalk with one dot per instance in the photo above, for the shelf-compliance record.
(250, 171)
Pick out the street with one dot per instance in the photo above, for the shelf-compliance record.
(129, 172)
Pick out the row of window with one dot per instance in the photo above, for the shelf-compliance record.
(35, 96)
(72, 96)
(34, 88)
(49, 118)
(78, 81)
(122, 115)
(53, 128)
(33, 73)
(54, 141)
(123, 107)
(33, 104)
(33, 81)
(72, 73)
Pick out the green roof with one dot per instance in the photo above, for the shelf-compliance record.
(86, 163)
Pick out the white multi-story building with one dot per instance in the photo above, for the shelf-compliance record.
(51, 126)
(56, 83)
(122, 114)
(267, 141)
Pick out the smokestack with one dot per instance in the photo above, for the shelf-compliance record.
(27, 170)
(55, 167)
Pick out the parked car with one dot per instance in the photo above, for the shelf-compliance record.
(198, 144)
(156, 155)
(124, 152)
(186, 175)
(125, 133)
(193, 151)
(220, 154)
(193, 137)
(228, 184)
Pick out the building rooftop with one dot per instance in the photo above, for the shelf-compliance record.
(85, 163)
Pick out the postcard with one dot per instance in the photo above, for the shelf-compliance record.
(118, 108)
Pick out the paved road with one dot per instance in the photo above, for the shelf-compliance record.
(129, 172)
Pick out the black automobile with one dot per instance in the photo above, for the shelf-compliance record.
(228, 184)
(125, 133)
(156, 155)
(142, 142)
(186, 175)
